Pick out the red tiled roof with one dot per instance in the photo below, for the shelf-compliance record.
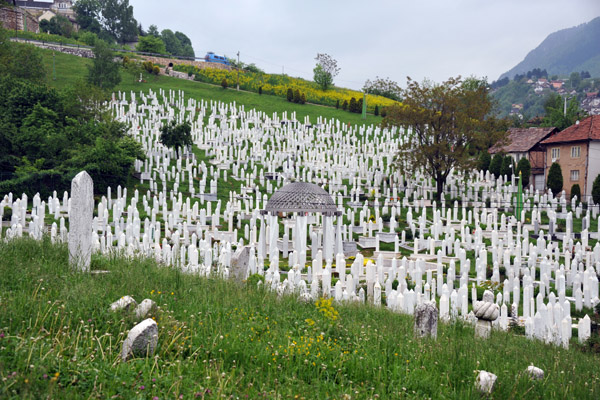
(588, 129)
(521, 140)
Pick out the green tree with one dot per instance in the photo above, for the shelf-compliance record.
(325, 70)
(506, 168)
(153, 31)
(57, 25)
(151, 44)
(290, 95)
(449, 121)
(20, 60)
(224, 83)
(297, 98)
(175, 135)
(555, 116)
(484, 161)
(524, 167)
(171, 42)
(383, 87)
(496, 164)
(104, 71)
(353, 105)
(574, 80)
(555, 179)
(345, 105)
(576, 191)
(596, 190)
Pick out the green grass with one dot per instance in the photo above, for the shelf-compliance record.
(71, 68)
(59, 340)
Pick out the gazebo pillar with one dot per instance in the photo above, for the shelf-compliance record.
(327, 237)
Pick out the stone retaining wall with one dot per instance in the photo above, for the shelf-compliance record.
(200, 64)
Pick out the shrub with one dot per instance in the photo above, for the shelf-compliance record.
(555, 179)
(297, 98)
(383, 112)
(345, 105)
(596, 190)
(483, 163)
(290, 95)
(156, 70)
(524, 167)
(224, 83)
(125, 61)
(148, 66)
(353, 104)
(337, 104)
(376, 112)
(506, 168)
(303, 99)
(260, 90)
(576, 191)
(496, 164)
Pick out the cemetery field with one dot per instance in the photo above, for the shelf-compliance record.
(58, 339)
(70, 69)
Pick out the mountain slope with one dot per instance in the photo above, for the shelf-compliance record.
(565, 51)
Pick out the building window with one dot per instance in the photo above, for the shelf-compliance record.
(575, 151)
(555, 153)
(575, 175)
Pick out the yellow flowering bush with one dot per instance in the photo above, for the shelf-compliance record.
(325, 307)
(279, 84)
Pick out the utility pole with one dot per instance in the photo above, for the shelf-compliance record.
(238, 74)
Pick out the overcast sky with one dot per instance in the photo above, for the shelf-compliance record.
(433, 39)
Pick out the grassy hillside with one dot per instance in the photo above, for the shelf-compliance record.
(71, 68)
(59, 340)
(569, 50)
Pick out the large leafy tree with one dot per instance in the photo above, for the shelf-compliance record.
(151, 44)
(447, 123)
(325, 70)
(383, 87)
(112, 18)
(104, 71)
(176, 135)
(555, 112)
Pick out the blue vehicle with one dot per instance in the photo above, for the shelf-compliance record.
(212, 57)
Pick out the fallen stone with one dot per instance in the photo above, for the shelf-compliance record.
(145, 308)
(141, 340)
(486, 381)
(426, 319)
(535, 372)
(124, 303)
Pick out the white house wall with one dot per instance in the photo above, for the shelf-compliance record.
(593, 166)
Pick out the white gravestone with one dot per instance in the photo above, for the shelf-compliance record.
(80, 221)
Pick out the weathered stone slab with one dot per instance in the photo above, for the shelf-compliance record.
(426, 319)
(80, 221)
(141, 340)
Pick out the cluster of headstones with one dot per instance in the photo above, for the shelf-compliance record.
(264, 152)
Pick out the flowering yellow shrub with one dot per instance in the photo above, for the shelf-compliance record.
(325, 307)
(279, 84)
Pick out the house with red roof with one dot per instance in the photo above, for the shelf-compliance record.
(577, 151)
(525, 142)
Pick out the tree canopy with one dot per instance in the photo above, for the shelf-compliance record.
(447, 124)
(383, 87)
(104, 71)
(108, 19)
(555, 113)
(325, 70)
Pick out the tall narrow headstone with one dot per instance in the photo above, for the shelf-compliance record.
(80, 221)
